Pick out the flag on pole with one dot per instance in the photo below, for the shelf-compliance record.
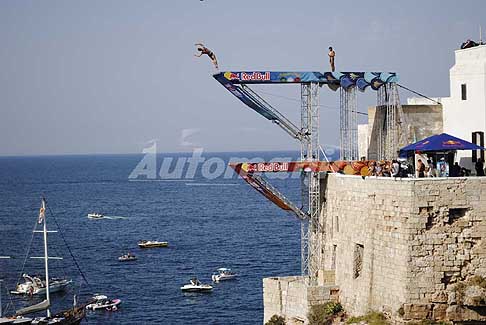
(42, 212)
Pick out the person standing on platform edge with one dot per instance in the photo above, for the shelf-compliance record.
(332, 54)
(479, 167)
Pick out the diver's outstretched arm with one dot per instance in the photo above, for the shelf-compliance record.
(198, 55)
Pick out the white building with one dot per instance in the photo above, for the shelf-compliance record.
(462, 115)
(464, 112)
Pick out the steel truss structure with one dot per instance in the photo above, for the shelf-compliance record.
(348, 123)
(392, 130)
(310, 229)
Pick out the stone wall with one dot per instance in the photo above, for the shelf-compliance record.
(413, 248)
(292, 298)
(421, 120)
(371, 214)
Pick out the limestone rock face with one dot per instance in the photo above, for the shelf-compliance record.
(417, 311)
(475, 296)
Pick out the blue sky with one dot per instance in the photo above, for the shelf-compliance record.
(108, 76)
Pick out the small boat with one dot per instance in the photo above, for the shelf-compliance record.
(128, 257)
(196, 286)
(223, 274)
(102, 302)
(34, 285)
(95, 216)
(152, 243)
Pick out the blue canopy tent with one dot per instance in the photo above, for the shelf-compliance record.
(440, 142)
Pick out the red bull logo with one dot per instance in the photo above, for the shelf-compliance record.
(247, 76)
(232, 75)
(451, 143)
(269, 167)
(255, 76)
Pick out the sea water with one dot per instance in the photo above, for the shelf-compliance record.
(209, 223)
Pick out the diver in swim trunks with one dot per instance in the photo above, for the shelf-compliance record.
(204, 50)
(332, 54)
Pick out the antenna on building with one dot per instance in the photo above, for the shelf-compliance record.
(480, 36)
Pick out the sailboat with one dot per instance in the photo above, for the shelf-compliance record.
(68, 317)
(34, 285)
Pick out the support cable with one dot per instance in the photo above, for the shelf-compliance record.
(296, 100)
(419, 94)
(69, 249)
(10, 303)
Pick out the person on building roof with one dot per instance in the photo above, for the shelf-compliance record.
(479, 167)
(204, 50)
(332, 54)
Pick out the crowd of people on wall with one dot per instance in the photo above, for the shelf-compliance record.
(442, 169)
(423, 168)
(387, 169)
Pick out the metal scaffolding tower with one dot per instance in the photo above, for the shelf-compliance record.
(390, 135)
(348, 123)
(392, 130)
(310, 229)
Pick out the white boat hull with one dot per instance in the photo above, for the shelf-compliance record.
(152, 244)
(25, 288)
(223, 277)
(109, 304)
(197, 288)
(95, 216)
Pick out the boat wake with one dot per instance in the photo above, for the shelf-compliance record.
(114, 217)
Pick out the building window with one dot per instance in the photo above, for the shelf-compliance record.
(463, 92)
(333, 261)
(358, 260)
(478, 138)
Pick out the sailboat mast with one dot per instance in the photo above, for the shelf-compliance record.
(1, 298)
(46, 258)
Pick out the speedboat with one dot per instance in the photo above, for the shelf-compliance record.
(223, 274)
(128, 257)
(102, 302)
(95, 216)
(196, 286)
(152, 243)
(34, 285)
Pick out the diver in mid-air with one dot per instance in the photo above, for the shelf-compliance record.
(204, 50)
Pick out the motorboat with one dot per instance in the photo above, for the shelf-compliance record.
(128, 257)
(196, 286)
(33, 285)
(95, 216)
(102, 302)
(223, 274)
(152, 243)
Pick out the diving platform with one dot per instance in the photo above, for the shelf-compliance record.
(239, 83)
(334, 79)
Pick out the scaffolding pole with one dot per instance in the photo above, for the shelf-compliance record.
(392, 131)
(310, 230)
(348, 123)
